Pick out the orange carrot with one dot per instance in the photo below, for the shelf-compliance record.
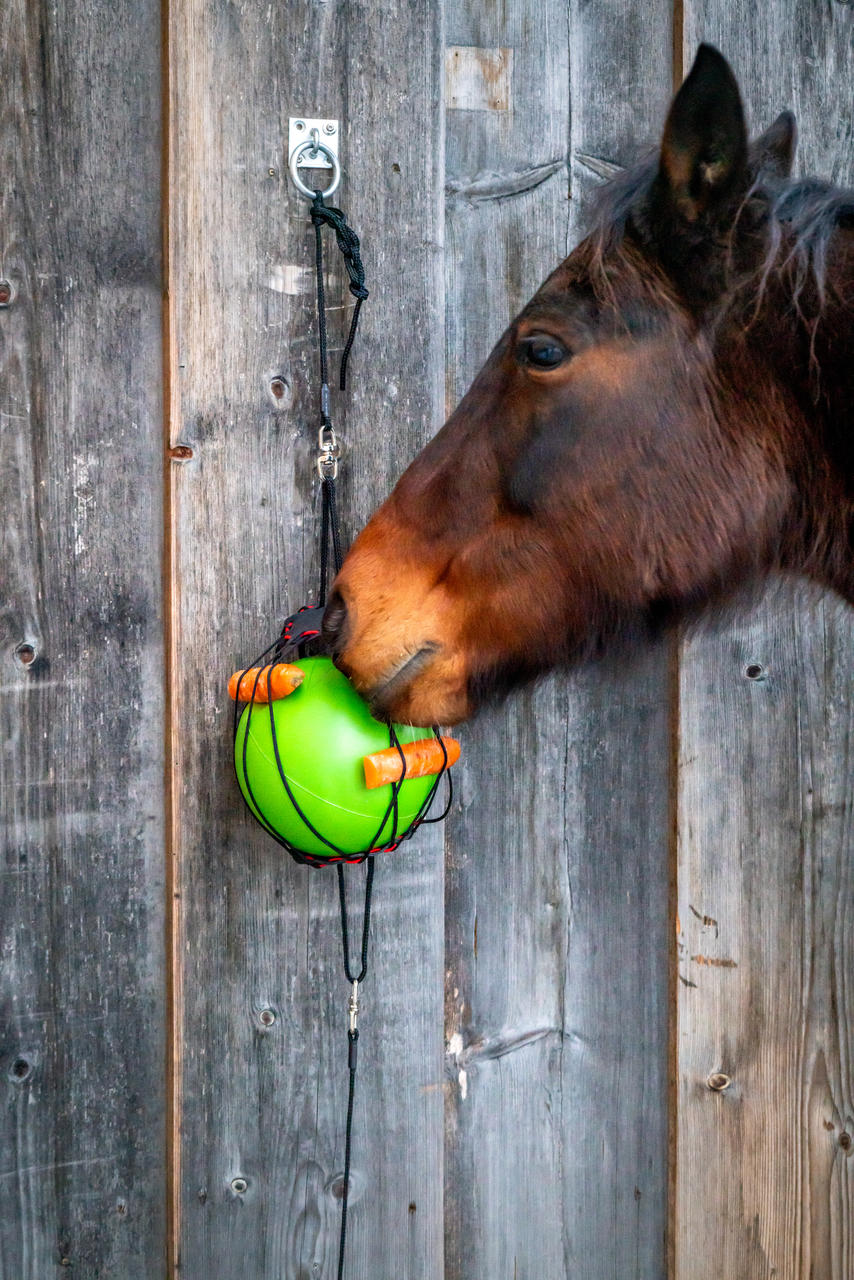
(274, 682)
(422, 758)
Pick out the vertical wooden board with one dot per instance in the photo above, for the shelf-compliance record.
(556, 916)
(267, 1104)
(764, 1180)
(81, 731)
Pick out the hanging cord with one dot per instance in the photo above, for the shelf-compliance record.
(327, 467)
(348, 243)
(329, 450)
(352, 1031)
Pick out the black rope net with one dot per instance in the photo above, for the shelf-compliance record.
(298, 632)
(302, 631)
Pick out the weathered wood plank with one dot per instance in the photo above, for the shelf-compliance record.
(556, 921)
(256, 931)
(81, 760)
(764, 1183)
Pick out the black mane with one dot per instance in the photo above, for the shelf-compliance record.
(800, 216)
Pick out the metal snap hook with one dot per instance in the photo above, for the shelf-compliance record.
(295, 163)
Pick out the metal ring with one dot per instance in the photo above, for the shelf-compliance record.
(294, 165)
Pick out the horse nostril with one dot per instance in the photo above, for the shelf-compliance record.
(334, 621)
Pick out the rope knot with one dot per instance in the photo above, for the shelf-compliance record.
(323, 214)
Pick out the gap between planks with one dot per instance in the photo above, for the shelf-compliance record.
(172, 914)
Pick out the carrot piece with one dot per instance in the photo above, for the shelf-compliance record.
(422, 758)
(274, 682)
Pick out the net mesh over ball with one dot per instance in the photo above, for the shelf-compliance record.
(299, 763)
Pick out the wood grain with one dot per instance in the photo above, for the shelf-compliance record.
(764, 1179)
(764, 1182)
(557, 988)
(267, 1104)
(81, 654)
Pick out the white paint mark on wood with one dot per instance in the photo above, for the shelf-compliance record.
(289, 277)
(84, 499)
(478, 79)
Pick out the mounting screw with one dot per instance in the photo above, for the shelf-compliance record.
(718, 1081)
(329, 128)
(299, 124)
(239, 1185)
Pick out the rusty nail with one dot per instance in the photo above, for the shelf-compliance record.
(26, 654)
(267, 1017)
(718, 1081)
(278, 386)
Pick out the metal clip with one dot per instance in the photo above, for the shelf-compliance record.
(329, 451)
(353, 1006)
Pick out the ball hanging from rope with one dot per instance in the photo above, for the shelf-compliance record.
(316, 768)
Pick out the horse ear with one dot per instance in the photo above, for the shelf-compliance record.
(773, 152)
(704, 148)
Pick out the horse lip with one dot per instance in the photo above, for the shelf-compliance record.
(401, 675)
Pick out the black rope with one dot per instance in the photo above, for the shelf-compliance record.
(328, 525)
(348, 243)
(366, 923)
(352, 1033)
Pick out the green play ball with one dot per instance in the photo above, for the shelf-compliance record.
(323, 729)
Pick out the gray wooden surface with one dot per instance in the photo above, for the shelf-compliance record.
(82, 994)
(556, 914)
(520, 1074)
(764, 1170)
(255, 931)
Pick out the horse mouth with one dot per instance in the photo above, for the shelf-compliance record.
(382, 695)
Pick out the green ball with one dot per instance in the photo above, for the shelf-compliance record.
(323, 729)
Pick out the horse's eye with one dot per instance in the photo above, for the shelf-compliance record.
(542, 351)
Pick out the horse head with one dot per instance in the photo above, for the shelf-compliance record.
(651, 430)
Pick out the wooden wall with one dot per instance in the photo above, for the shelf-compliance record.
(645, 886)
